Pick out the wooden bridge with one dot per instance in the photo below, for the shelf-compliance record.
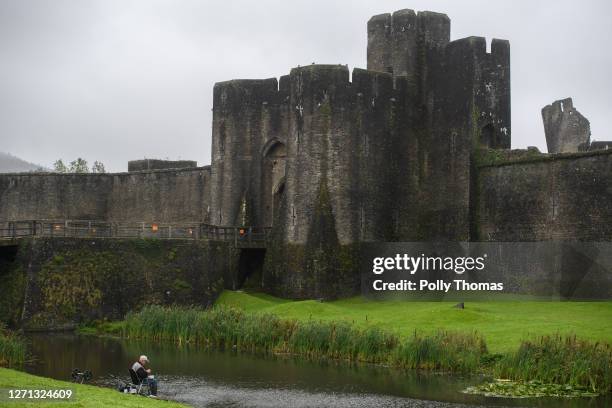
(239, 236)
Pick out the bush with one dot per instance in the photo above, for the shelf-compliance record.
(560, 360)
(12, 348)
(445, 351)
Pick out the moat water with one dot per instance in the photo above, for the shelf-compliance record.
(216, 379)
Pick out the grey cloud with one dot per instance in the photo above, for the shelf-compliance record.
(119, 80)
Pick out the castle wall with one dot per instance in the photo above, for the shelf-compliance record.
(246, 115)
(162, 196)
(155, 164)
(54, 196)
(318, 170)
(342, 152)
(445, 141)
(563, 197)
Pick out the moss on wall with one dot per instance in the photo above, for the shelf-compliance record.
(72, 281)
(13, 279)
(320, 268)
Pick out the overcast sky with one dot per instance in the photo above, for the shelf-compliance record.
(116, 80)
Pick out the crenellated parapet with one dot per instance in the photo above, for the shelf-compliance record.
(397, 42)
(486, 74)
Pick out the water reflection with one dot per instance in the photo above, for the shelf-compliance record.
(206, 378)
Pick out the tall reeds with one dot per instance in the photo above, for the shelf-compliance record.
(12, 348)
(232, 328)
(560, 360)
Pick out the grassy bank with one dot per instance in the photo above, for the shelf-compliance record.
(12, 348)
(86, 395)
(231, 328)
(504, 324)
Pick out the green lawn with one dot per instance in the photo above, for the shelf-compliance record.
(86, 395)
(503, 324)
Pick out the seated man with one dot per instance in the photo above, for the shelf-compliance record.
(144, 373)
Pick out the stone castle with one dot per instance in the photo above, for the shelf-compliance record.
(414, 148)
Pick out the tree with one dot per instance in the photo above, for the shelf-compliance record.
(98, 167)
(60, 167)
(79, 166)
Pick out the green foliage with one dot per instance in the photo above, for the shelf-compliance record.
(78, 166)
(84, 283)
(445, 351)
(529, 389)
(494, 157)
(12, 291)
(148, 246)
(98, 167)
(560, 360)
(227, 327)
(60, 167)
(102, 327)
(74, 280)
(12, 348)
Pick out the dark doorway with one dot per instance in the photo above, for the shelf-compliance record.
(250, 268)
(488, 137)
(8, 253)
(273, 179)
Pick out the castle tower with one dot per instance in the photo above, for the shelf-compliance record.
(242, 117)
(565, 128)
(397, 42)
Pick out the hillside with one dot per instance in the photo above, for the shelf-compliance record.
(12, 164)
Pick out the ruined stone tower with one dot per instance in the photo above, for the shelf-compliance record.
(565, 128)
(330, 162)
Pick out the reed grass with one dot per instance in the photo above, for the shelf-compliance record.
(12, 348)
(446, 351)
(227, 327)
(560, 360)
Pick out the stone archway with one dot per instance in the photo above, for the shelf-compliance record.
(273, 179)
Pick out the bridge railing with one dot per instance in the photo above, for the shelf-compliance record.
(240, 236)
(17, 229)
